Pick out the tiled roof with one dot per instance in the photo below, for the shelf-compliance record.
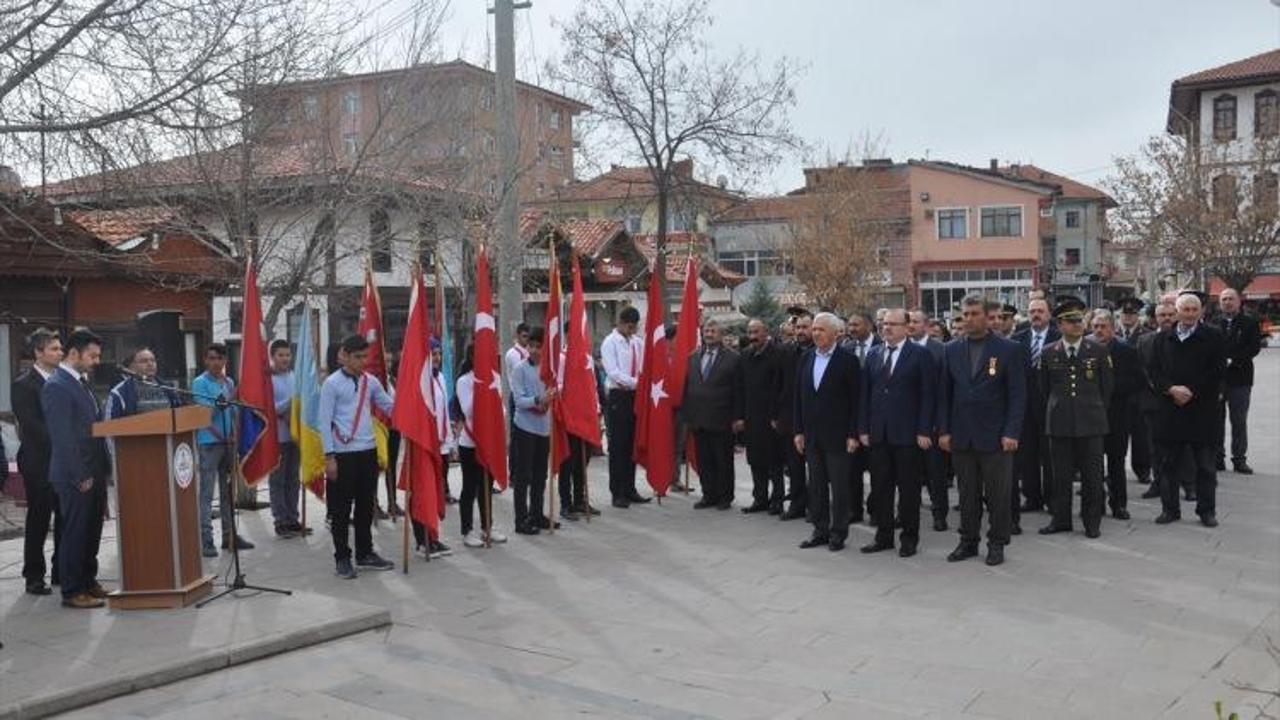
(1068, 187)
(1184, 92)
(587, 236)
(116, 226)
(33, 242)
(682, 245)
(621, 183)
(777, 207)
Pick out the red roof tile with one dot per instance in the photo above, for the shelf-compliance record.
(682, 245)
(621, 183)
(587, 236)
(1251, 68)
(1068, 187)
(116, 226)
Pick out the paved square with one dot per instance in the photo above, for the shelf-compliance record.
(667, 612)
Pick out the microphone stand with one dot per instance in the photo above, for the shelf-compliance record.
(221, 403)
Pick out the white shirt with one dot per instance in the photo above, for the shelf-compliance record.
(893, 359)
(1072, 348)
(515, 355)
(820, 361)
(466, 394)
(444, 429)
(44, 374)
(622, 358)
(65, 366)
(1184, 333)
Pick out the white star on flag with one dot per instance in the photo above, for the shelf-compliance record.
(485, 321)
(496, 385)
(656, 393)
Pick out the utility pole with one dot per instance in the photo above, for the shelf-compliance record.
(510, 255)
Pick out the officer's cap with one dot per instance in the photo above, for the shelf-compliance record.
(1130, 305)
(1069, 307)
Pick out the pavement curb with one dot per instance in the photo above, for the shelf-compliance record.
(200, 664)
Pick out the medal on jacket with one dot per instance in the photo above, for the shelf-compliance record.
(1088, 370)
(991, 367)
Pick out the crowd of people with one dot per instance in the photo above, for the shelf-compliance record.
(1013, 414)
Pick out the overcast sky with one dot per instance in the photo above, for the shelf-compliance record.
(1067, 85)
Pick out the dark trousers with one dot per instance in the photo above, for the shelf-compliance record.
(1116, 446)
(43, 506)
(1072, 455)
(895, 467)
(1032, 463)
(984, 475)
(621, 424)
(573, 477)
(1203, 466)
(715, 464)
(1156, 450)
(529, 478)
(857, 466)
(795, 463)
(393, 455)
(357, 484)
(767, 485)
(1234, 405)
(284, 488)
(829, 491)
(473, 489)
(81, 534)
(1139, 439)
(934, 463)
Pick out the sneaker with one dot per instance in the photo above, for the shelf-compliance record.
(209, 551)
(374, 561)
(496, 537)
(285, 532)
(473, 540)
(344, 570)
(438, 549)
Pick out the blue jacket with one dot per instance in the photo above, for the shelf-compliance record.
(123, 398)
(895, 412)
(70, 410)
(978, 406)
(828, 416)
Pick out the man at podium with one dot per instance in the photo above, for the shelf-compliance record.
(130, 396)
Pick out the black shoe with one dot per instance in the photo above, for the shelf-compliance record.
(775, 509)
(1032, 507)
(793, 513)
(875, 547)
(940, 524)
(907, 550)
(638, 499)
(724, 505)
(995, 555)
(1189, 496)
(284, 531)
(622, 503)
(543, 523)
(1015, 530)
(855, 518)
(586, 509)
(344, 569)
(1120, 514)
(1144, 480)
(569, 515)
(963, 551)
(755, 508)
(380, 514)
(703, 504)
(1221, 465)
(871, 520)
(374, 561)
(38, 588)
(241, 543)
(1051, 529)
(527, 530)
(1209, 520)
(1092, 533)
(835, 545)
(1242, 467)
(814, 542)
(1166, 518)
(1154, 492)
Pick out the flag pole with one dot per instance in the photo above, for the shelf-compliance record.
(486, 518)
(408, 510)
(586, 484)
(551, 445)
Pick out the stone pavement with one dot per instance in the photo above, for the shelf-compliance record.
(667, 612)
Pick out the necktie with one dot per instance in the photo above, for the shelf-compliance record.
(1036, 346)
(1071, 352)
(633, 357)
(888, 363)
(708, 359)
(84, 382)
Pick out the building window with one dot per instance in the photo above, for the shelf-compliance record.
(351, 103)
(953, 224)
(942, 290)
(1073, 218)
(351, 144)
(1266, 114)
(555, 119)
(380, 240)
(632, 222)
(1265, 188)
(557, 157)
(1224, 194)
(1002, 221)
(486, 98)
(756, 263)
(1224, 117)
(1071, 257)
(310, 107)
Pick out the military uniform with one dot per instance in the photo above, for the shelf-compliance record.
(1076, 382)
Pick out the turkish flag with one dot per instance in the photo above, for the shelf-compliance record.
(415, 414)
(687, 336)
(655, 412)
(487, 418)
(552, 368)
(259, 446)
(579, 401)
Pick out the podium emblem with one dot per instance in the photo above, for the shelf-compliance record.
(184, 465)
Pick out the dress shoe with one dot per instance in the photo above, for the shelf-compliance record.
(963, 551)
(871, 521)
(285, 532)
(82, 601)
(703, 504)
(940, 524)
(775, 509)
(1166, 518)
(1144, 480)
(1209, 520)
(1221, 465)
(1032, 507)
(835, 545)
(622, 503)
(995, 555)
(543, 523)
(241, 543)
(907, 550)
(1051, 529)
(569, 515)
(97, 591)
(855, 518)
(527, 529)
(638, 499)
(1154, 492)
(724, 505)
(379, 513)
(586, 509)
(1242, 467)
(1189, 496)
(813, 542)
(1120, 514)
(875, 547)
(755, 508)
(1015, 530)
(793, 513)
(1092, 533)
(38, 588)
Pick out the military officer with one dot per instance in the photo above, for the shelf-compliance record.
(1076, 380)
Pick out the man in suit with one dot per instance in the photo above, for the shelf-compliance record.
(1131, 326)
(621, 356)
(826, 430)
(791, 352)
(761, 384)
(981, 400)
(78, 468)
(1076, 379)
(1244, 341)
(895, 421)
(1130, 330)
(33, 461)
(1130, 382)
(935, 461)
(1150, 401)
(713, 408)
(858, 340)
(1187, 366)
(1032, 469)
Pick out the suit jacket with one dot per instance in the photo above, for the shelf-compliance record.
(1243, 337)
(1198, 363)
(715, 402)
(978, 406)
(1077, 390)
(1150, 400)
(828, 416)
(1035, 398)
(790, 356)
(71, 410)
(761, 386)
(1130, 373)
(33, 454)
(896, 409)
(935, 351)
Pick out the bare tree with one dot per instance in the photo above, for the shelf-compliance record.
(1200, 211)
(656, 87)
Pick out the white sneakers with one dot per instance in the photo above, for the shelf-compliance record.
(475, 539)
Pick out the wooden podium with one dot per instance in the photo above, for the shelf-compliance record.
(158, 523)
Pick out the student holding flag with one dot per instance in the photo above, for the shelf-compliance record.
(347, 400)
(473, 482)
(532, 428)
(579, 405)
(429, 540)
(306, 413)
(283, 486)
